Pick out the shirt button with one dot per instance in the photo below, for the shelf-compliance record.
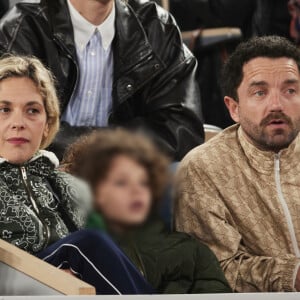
(93, 53)
(157, 66)
(129, 87)
(90, 92)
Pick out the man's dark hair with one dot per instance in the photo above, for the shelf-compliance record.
(266, 46)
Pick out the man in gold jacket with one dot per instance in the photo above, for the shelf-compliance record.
(240, 192)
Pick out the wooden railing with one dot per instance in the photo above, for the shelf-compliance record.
(43, 272)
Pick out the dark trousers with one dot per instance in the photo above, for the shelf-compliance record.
(96, 259)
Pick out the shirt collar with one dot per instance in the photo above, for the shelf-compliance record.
(83, 29)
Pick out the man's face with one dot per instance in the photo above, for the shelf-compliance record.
(268, 107)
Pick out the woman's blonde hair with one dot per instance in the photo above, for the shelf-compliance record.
(32, 68)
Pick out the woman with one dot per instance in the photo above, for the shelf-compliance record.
(39, 205)
(128, 175)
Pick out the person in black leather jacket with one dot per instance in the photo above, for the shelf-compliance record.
(154, 87)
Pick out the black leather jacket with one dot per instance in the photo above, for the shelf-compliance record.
(154, 89)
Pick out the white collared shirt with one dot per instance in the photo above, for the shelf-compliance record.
(92, 100)
(83, 29)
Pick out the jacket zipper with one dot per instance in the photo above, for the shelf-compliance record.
(285, 206)
(46, 230)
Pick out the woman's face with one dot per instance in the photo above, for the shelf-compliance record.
(124, 196)
(23, 119)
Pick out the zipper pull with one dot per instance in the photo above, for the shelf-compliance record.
(23, 171)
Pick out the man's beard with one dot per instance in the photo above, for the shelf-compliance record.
(274, 140)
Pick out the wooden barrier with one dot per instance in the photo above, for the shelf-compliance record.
(43, 272)
(213, 32)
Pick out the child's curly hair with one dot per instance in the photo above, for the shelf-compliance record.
(90, 157)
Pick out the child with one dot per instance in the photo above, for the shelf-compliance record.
(128, 175)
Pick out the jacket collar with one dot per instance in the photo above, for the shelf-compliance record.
(50, 156)
(133, 54)
(263, 161)
(133, 44)
(47, 154)
(60, 20)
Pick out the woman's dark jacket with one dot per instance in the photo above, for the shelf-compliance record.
(173, 263)
(39, 204)
(154, 87)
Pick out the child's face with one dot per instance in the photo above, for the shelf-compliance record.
(124, 196)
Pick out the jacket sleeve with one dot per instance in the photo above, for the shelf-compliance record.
(208, 275)
(172, 115)
(171, 101)
(200, 211)
(197, 271)
(74, 198)
(20, 34)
